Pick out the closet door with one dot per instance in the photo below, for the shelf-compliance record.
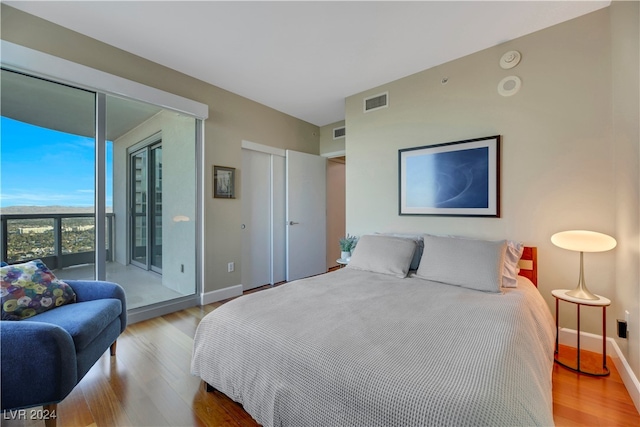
(256, 219)
(306, 201)
(279, 223)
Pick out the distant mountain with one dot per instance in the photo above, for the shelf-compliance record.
(48, 209)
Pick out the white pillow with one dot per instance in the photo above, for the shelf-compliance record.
(473, 264)
(415, 261)
(383, 254)
(513, 254)
(511, 259)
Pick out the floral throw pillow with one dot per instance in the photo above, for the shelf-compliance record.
(31, 288)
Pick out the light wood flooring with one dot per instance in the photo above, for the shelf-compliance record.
(149, 383)
(582, 400)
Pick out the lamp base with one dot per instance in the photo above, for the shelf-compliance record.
(581, 290)
(582, 293)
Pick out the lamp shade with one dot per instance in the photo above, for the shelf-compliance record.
(583, 241)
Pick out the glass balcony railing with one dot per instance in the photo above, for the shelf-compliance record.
(59, 240)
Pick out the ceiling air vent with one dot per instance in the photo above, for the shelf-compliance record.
(339, 132)
(376, 102)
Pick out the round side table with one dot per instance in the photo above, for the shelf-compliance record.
(561, 294)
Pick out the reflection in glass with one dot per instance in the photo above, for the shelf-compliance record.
(139, 209)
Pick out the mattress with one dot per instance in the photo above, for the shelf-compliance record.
(356, 348)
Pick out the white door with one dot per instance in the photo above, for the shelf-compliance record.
(306, 215)
(278, 223)
(256, 222)
(263, 219)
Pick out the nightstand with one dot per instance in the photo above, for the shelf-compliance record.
(561, 294)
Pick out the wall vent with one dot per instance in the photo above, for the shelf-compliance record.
(339, 132)
(376, 102)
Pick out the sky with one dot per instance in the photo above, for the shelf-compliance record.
(43, 167)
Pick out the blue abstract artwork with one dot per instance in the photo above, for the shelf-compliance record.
(455, 179)
(458, 178)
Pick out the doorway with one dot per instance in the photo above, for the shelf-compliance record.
(336, 208)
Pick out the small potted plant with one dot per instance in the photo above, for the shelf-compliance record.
(347, 244)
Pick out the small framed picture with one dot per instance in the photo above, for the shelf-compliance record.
(224, 179)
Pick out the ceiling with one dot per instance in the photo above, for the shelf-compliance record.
(304, 58)
(65, 109)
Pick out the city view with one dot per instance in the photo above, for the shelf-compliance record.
(29, 238)
(38, 208)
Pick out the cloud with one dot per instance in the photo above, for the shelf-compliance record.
(43, 199)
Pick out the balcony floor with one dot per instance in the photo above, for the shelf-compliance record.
(141, 287)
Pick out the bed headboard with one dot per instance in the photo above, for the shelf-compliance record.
(529, 264)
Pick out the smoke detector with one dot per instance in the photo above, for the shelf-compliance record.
(510, 59)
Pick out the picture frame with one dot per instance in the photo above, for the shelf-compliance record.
(460, 178)
(224, 182)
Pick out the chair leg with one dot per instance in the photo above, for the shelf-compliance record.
(51, 414)
(112, 349)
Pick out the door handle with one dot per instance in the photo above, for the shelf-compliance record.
(292, 223)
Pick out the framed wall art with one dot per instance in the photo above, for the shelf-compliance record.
(459, 178)
(224, 182)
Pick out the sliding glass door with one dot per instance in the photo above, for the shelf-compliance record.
(139, 211)
(146, 208)
(155, 260)
(83, 187)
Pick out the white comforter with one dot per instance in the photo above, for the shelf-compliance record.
(353, 348)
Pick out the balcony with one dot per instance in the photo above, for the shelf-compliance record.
(151, 246)
(65, 242)
(59, 239)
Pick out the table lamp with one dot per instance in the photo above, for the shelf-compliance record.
(583, 241)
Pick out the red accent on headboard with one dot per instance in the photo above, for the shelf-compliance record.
(530, 253)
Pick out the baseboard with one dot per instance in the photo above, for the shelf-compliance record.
(220, 294)
(592, 342)
(628, 377)
(160, 309)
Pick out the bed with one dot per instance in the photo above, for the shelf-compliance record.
(415, 331)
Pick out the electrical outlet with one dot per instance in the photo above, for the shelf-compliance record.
(622, 328)
(231, 267)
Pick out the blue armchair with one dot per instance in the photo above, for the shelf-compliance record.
(45, 356)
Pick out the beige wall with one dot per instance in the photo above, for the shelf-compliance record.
(626, 136)
(232, 118)
(558, 153)
(328, 145)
